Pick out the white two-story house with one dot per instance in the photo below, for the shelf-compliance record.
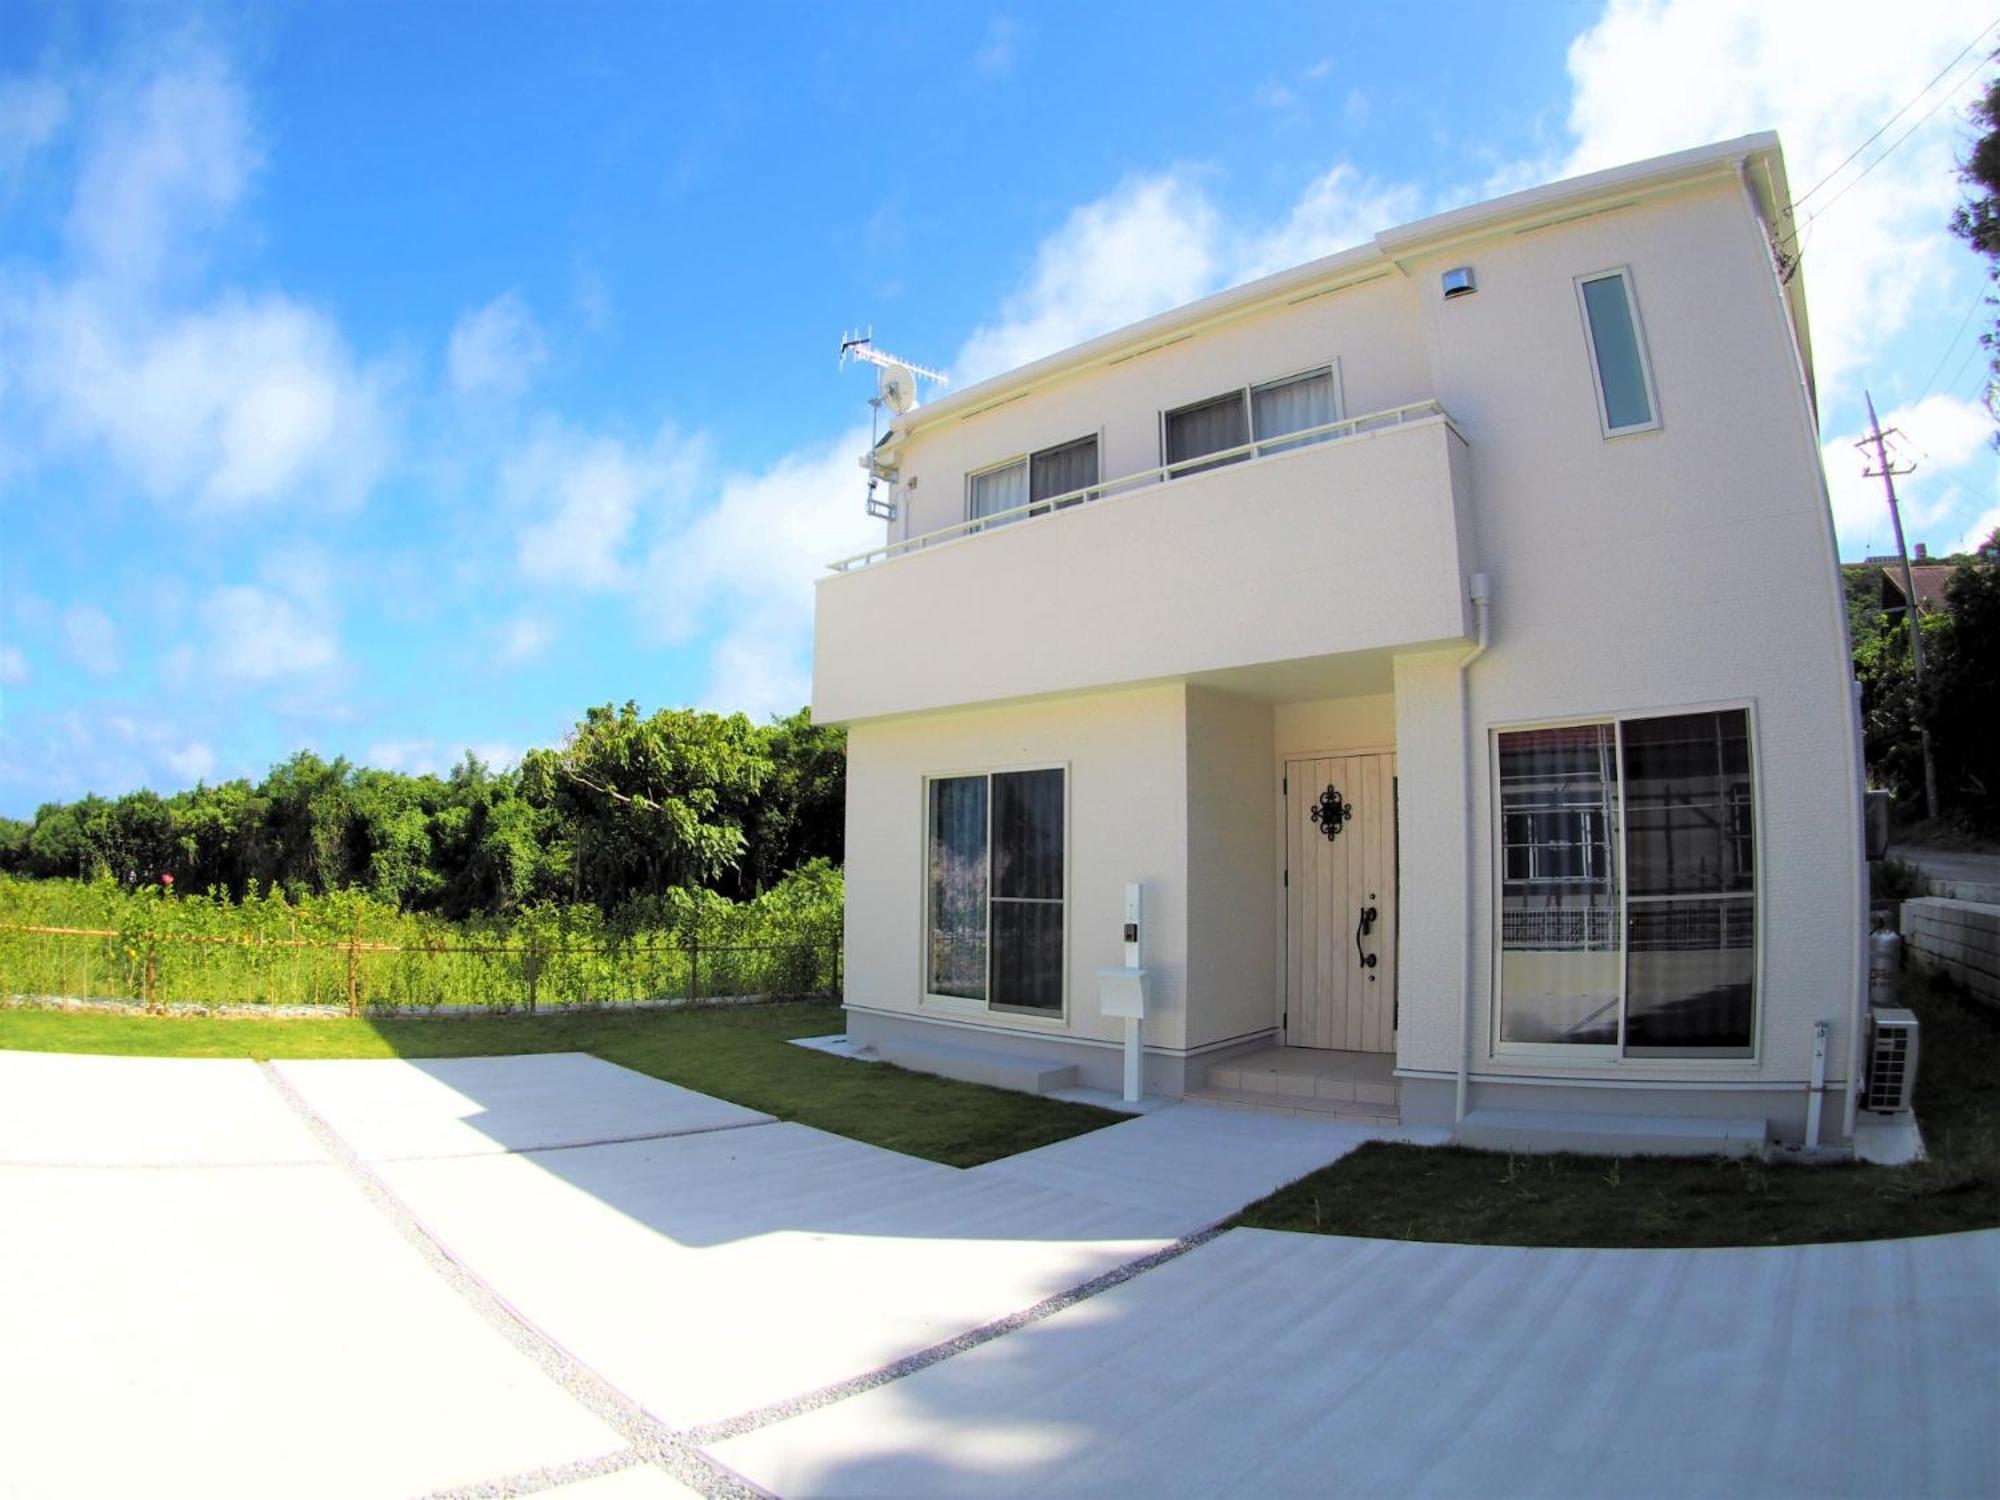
(1445, 634)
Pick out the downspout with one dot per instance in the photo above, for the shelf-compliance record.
(1481, 597)
(1809, 410)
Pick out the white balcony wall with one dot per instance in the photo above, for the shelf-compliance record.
(1347, 546)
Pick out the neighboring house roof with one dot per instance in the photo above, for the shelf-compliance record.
(1929, 580)
(1758, 156)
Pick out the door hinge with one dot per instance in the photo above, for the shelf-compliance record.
(1288, 880)
(1288, 786)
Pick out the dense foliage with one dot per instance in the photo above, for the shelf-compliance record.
(269, 948)
(630, 807)
(1961, 686)
(1977, 220)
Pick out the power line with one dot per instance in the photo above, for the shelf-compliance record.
(1978, 297)
(1943, 99)
(1896, 116)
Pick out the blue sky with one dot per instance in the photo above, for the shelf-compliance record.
(391, 380)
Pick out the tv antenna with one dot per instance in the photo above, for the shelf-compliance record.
(896, 388)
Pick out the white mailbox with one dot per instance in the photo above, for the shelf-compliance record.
(1122, 992)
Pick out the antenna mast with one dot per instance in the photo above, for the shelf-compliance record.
(895, 387)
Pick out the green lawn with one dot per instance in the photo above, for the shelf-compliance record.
(1492, 1198)
(738, 1053)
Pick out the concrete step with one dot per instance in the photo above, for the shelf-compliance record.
(1611, 1135)
(1283, 1086)
(1028, 1075)
(1303, 1106)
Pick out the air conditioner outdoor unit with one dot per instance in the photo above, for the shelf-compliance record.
(1892, 1061)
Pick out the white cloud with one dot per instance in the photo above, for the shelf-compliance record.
(168, 155)
(999, 48)
(224, 404)
(191, 761)
(258, 635)
(1339, 209)
(14, 668)
(1653, 77)
(496, 349)
(744, 566)
(241, 403)
(1948, 441)
(91, 638)
(32, 112)
(424, 757)
(1150, 244)
(524, 638)
(586, 492)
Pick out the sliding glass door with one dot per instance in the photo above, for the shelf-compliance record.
(994, 925)
(1628, 903)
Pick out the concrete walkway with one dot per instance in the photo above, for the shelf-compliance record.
(550, 1275)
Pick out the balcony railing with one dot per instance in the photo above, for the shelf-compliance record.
(1346, 429)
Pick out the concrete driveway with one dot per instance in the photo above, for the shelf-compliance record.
(548, 1274)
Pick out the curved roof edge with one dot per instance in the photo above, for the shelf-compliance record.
(1385, 252)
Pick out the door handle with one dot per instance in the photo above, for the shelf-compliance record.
(1362, 956)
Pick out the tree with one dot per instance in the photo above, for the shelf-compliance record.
(651, 803)
(1963, 684)
(1977, 220)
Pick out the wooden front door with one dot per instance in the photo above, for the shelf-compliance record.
(1340, 866)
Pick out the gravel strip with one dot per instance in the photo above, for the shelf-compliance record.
(652, 1440)
(535, 1481)
(841, 1390)
(609, 1140)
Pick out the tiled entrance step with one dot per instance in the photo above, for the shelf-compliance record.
(1305, 1081)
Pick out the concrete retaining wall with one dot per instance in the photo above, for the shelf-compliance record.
(1956, 938)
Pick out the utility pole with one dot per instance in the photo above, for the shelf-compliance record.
(1878, 440)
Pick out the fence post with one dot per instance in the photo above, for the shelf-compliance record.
(694, 969)
(836, 970)
(353, 954)
(152, 980)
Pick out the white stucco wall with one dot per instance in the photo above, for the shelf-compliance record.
(1232, 828)
(1126, 754)
(1658, 572)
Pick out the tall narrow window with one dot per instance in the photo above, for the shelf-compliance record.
(1559, 888)
(1618, 356)
(1691, 913)
(995, 920)
(1628, 901)
(956, 964)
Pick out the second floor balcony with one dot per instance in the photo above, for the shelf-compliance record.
(1351, 537)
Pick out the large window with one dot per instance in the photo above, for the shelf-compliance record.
(1052, 472)
(1263, 413)
(1628, 898)
(994, 925)
(1618, 354)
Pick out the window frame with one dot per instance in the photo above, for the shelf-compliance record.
(1026, 460)
(1247, 394)
(1615, 1055)
(1627, 281)
(960, 1004)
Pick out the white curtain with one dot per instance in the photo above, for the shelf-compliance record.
(1293, 406)
(999, 490)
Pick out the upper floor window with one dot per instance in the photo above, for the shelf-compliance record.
(1625, 400)
(1257, 413)
(1059, 471)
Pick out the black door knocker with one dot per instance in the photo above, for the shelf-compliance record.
(1331, 812)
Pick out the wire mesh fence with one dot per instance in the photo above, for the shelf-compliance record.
(161, 969)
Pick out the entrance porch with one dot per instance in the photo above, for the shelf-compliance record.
(1305, 1081)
